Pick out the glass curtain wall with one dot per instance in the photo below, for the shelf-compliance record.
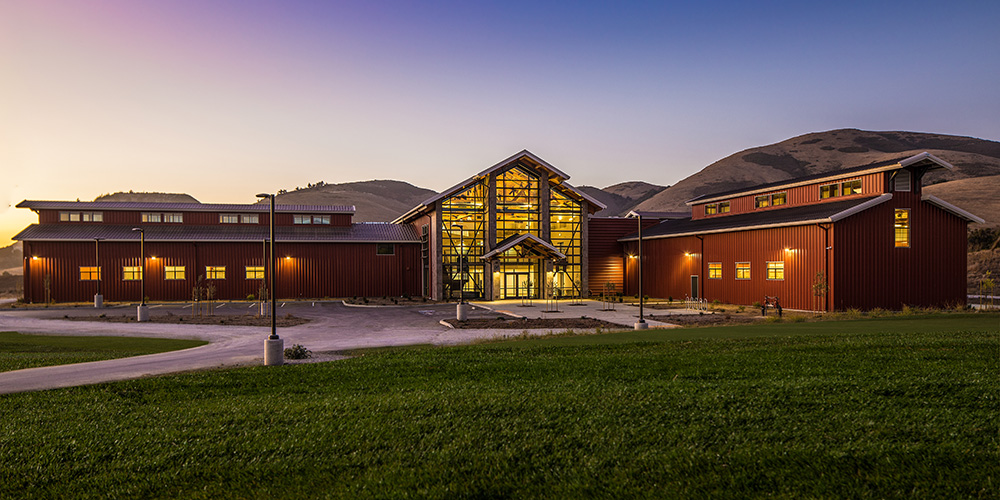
(517, 203)
(463, 236)
(565, 230)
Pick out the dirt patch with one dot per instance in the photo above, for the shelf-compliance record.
(232, 320)
(707, 319)
(525, 324)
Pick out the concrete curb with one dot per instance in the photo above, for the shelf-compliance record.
(501, 311)
(445, 323)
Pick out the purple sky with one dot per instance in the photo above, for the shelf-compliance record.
(226, 99)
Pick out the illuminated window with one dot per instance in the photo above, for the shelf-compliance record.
(255, 272)
(175, 218)
(132, 273)
(90, 273)
(81, 216)
(321, 219)
(715, 270)
(762, 201)
(148, 217)
(174, 272)
(385, 249)
(779, 199)
(724, 207)
(850, 187)
(249, 219)
(768, 200)
(712, 209)
(776, 270)
(215, 272)
(902, 227)
(229, 219)
(742, 270)
(829, 191)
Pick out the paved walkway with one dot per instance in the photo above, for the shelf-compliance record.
(333, 327)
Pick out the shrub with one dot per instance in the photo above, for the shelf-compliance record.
(878, 312)
(297, 351)
(774, 319)
(796, 318)
(741, 308)
(756, 305)
(251, 297)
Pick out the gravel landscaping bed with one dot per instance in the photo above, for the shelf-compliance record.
(524, 324)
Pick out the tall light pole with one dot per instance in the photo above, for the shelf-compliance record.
(274, 353)
(641, 324)
(142, 312)
(98, 298)
(461, 310)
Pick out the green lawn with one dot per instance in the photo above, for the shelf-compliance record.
(896, 408)
(19, 351)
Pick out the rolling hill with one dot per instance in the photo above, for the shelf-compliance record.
(374, 201)
(148, 197)
(822, 152)
(622, 197)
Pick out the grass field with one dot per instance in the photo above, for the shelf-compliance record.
(894, 408)
(19, 351)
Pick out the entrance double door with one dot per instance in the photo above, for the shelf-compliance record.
(517, 285)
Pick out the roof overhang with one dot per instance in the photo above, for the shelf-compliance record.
(635, 214)
(530, 242)
(804, 222)
(557, 178)
(948, 207)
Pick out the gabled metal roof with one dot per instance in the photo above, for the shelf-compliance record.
(183, 207)
(795, 216)
(948, 207)
(363, 233)
(882, 166)
(560, 183)
(633, 214)
(529, 241)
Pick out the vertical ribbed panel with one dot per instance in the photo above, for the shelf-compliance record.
(316, 270)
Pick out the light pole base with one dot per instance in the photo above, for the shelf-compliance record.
(142, 314)
(641, 325)
(98, 301)
(274, 352)
(461, 311)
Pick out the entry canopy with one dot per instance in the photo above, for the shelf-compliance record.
(527, 245)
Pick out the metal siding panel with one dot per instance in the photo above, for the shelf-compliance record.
(667, 271)
(605, 254)
(871, 272)
(319, 270)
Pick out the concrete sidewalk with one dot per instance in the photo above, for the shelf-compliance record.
(618, 313)
(332, 327)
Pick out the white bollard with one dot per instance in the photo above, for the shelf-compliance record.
(461, 312)
(274, 352)
(98, 301)
(142, 314)
(641, 325)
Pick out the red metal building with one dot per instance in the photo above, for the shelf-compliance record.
(863, 237)
(79, 246)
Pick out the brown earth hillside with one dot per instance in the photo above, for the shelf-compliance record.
(976, 195)
(826, 152)
(622, 197)
(148, 197)
(374, 201)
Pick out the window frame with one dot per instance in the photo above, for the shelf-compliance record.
(715, 270)
(249, 218)
(772, 271)
(301, 219)
(131, 273)
(215, 272)
(855, 185)
(262, 270)
(229, 218)
(833, 191)
(91, 270)
(380, 246)
(743, 268)
(896, 228)
(762, 201)
(170, 273)
(723, 207)
(173, 218)
(711, 209)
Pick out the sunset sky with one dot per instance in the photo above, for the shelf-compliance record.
(225, 99)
